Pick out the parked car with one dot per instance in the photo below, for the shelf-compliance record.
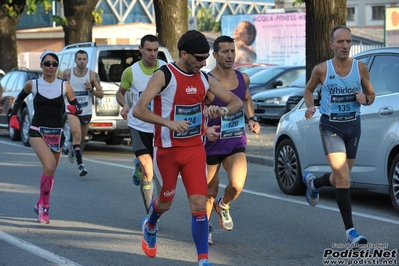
(274, 77)
(272, 104)
(246, 66)
(298, 147)
(109, 61)
(11, 85)
(253, 70)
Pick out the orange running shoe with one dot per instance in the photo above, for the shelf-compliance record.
(149, 241)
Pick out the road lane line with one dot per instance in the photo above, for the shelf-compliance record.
(321, 206)
(63, 261)
(35, 250)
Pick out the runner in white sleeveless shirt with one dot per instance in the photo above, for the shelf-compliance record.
(86, 84)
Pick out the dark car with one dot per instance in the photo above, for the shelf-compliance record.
(272, 104)
(274, 77)
(298, 147)
(11, 85)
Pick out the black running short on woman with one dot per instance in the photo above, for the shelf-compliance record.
(340, 136)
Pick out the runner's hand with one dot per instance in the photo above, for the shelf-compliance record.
(253, 126)
(179, 126)
(14, 122)
(211, 133)
(73, 109)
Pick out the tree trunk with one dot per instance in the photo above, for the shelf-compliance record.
(80, 20)
(171, 18)
(8, 35)
(321, 17)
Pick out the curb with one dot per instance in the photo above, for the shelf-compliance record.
(265, 160)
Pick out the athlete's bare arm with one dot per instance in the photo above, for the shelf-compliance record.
(95, 82)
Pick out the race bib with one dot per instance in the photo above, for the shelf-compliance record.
(52, 136)
(343, 108)
(192, 114)
(232, 126)
(82, 97)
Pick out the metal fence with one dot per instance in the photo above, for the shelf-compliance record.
(30, 60)
(355, 49)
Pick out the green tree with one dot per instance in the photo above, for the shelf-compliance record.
(206, 20)
(321, 17)
(78, 24)
(171, 21)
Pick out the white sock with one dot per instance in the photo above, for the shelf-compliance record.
(222, 204)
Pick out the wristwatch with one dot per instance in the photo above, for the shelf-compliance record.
(253, 118)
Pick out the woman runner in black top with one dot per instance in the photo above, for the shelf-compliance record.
(45, 132)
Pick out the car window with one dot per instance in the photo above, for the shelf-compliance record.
(10, 83)
(266, 75)
(4, 80)
(22, 78)
(299, 82)
(114, 62)
(384, 75)
(162, 56)
(251, 71)
(290, 76)
(364, 59)
(64, 63)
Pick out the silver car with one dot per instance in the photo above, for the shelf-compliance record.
(298, 147)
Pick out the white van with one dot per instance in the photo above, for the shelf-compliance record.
(109, 61)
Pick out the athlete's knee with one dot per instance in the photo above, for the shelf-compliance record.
(163, 206)
(238, 185)
(340, 179)
(197, 203)
(49, 168)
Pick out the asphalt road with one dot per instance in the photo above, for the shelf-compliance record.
(95, 220)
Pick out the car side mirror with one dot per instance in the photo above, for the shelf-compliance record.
(277, 83)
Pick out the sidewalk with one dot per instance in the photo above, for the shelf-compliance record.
(260, 146)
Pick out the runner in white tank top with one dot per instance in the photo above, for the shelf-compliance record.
(86, 84)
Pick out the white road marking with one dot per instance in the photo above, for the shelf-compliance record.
(63, 261)
(35, 250)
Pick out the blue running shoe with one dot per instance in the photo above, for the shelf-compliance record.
(312, 195)
(136, 175)
(354, 239)
(149, 241)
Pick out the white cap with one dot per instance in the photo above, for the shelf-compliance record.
(47, 52)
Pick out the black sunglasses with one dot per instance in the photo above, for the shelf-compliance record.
(199, 58)
(49, 63)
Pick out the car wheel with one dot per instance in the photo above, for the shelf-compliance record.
(67, 134)
(113, 141)
(287, 168)
(14, 134)
(394, 183)
(25, 124)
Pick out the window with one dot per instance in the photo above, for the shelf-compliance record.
(350, 14)
(384, 74)
(64, 61)
(377, 12)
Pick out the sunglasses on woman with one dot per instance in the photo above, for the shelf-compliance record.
(199, 58)
(49, 63)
